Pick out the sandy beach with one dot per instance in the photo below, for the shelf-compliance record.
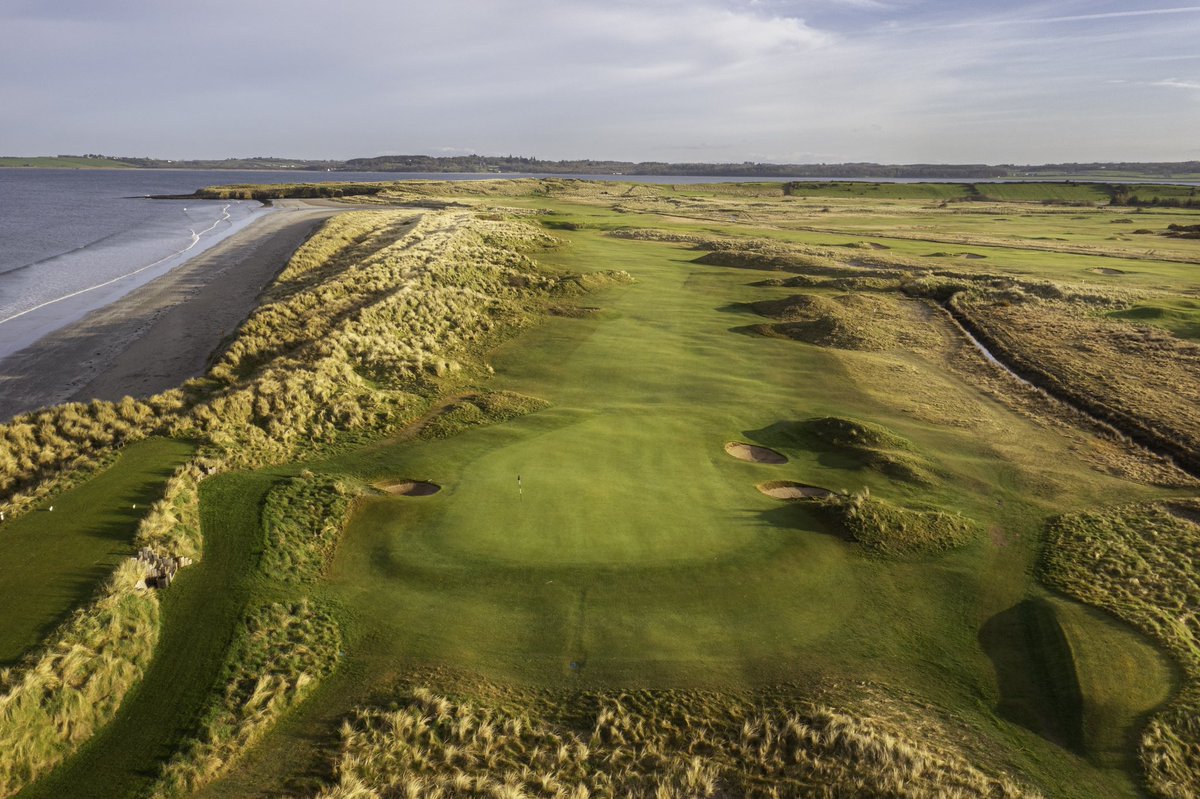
(165, 332)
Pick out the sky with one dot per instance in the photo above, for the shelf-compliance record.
(785, 81)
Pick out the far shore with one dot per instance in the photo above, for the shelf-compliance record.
(165, 332)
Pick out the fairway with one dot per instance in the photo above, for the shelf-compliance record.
(54, 560)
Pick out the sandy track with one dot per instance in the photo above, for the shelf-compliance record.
(165, 332)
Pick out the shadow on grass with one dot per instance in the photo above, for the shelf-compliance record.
(805, 516)
(792, 435)
(1035, 673)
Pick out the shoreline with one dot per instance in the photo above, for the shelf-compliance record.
(164, 332)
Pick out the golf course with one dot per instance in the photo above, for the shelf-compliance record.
(562, 488)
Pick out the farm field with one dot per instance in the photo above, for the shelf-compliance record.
(568, 488)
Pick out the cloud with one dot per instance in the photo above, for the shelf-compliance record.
(769, 79)
(1176, 83)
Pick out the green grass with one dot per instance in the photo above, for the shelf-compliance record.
(1180, 316)
(1045, 192)
(54, 561)
(200, 615)
(62, 162)
(881, 191)
(1120, 684)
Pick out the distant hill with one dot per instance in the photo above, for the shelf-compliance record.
(1116, 171)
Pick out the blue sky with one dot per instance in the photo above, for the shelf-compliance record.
(895, 81)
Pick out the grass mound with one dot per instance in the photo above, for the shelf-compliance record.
(652, 743)
(863, 322)
(1072, 674)
(874, 445)
(479, 409)
(765, 261)
(303, 519)
(888, 529)
(1180, 316)
(854, 435)
(1139, 563)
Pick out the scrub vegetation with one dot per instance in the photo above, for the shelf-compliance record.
(653, 743)
(490, 482)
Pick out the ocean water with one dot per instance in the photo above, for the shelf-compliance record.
(72, 241)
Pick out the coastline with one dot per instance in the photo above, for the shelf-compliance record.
(164, 332)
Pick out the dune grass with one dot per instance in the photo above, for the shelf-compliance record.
(303, 519)
(653, 743)
(55, 700)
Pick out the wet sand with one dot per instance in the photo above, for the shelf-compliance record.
(165, 332)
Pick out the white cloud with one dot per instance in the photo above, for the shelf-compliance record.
(1176, 83)
(765, 79)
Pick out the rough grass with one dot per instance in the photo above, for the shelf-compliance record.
(53, 702)
(1140, 563)
(846, 321)
(479, 409)
(887, 529)
(172, 527)
(281, 653)
(302, 520)
(648, 743)
(1140, 378)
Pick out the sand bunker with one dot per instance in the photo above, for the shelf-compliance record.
(413, 488)
(754, 454)
(787, 489)
(1102, 270)
(972, 256)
